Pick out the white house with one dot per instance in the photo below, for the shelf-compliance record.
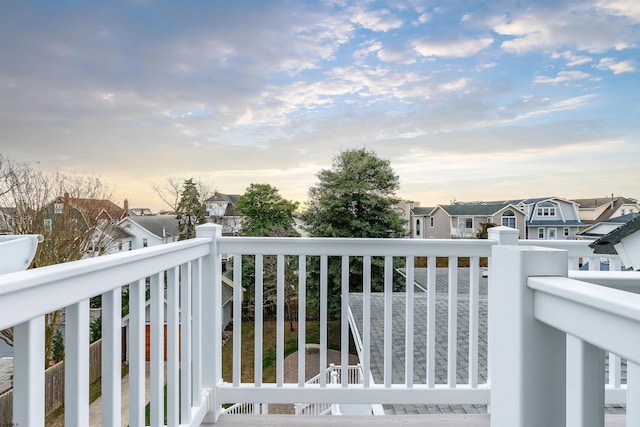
(150, 230)
(220, 209)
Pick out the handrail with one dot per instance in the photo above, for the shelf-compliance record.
(593, 313)
(104, 273)
(354, 247)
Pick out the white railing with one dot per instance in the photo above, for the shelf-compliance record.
(552, 332)
(192, 272)
(25, 297)
(333, 375)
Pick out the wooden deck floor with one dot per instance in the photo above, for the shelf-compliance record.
(371, 421)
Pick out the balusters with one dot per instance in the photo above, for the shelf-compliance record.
(156, 364)
(76, 352)
(258, 301)
(452, 354)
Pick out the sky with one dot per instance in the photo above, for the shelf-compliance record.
(472, 100)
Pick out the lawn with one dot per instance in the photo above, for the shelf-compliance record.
(269, 347)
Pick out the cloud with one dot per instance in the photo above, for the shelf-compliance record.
(567, 25)
(571, 58)
(563, 77)
(376, 20)
(610, 64)
(458, 48)
(626, 8)
(395, 56)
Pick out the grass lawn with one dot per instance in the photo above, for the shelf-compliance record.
(269, 347)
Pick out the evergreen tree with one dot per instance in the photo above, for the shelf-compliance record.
(265, 212)
(355, 198)
(190, 210)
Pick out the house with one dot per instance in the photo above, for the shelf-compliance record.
(594, 210)
(551, 218)
(7, 216)
(220, 209)
(418, 219)
(227, 296)
(140, 212)
(150, 230)
(624, 240)
(603, 227)
(464, 220)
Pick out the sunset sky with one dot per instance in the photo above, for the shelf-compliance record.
(477, 100)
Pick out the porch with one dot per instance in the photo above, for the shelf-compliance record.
(549, 330)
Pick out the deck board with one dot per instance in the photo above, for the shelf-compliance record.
(463, 420)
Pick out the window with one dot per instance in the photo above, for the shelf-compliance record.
(465, 223)
(546, 210)
(9, 221)
(130, 244)
(48, 224)
(552, 233)
(417, 227)
(540, 233)
(431, 222)
(566, 232)
(58, 207)
(119, 246)
(509, 219)
(145, 243)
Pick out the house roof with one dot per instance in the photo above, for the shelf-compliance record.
(155, 224)
(556, 223)
(95, 207)
(475, 209)
(230, 199)
(605, 244)
(421, 211)
(610, 210)
(420, 322)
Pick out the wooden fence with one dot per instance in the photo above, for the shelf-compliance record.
(54, 385)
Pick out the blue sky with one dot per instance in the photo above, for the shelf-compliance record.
(477, 100)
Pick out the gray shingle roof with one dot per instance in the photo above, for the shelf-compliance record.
(604, 245)
(420, 321)
(156, 223)
(478, 209)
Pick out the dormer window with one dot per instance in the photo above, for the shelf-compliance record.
(58, 208)
(546, 209)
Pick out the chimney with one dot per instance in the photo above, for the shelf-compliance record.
(66, 197)
(126, 205)
(612, 201)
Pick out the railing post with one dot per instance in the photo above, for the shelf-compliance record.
(212, 318)
(503, 235)
(527, 357)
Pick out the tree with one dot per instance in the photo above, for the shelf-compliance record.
(266, 212)
(190, 210)
(355, 198)
(66, 210)
(170, 191)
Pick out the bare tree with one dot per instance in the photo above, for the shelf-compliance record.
(74, 214)
(171, 190)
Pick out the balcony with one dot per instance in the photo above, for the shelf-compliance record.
(536, 343)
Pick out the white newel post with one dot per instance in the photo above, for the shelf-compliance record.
(211, 318)
(504, 235)
(527, 361)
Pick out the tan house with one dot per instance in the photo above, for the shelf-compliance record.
(595, 210)
(465, 220)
